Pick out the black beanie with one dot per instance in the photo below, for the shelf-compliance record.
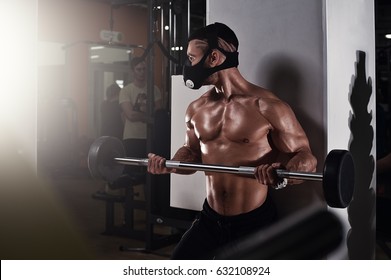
(213, 31)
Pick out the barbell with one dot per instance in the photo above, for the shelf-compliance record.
(106, 160)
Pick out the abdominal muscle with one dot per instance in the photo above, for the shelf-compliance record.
(233, 194)
(230, 194)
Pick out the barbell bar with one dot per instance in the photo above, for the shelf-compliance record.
(241, 170)
(106, 160)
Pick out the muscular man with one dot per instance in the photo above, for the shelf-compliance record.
(235, 123)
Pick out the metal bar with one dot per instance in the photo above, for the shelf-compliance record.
(190, 166)
(299, 175)
(244, 170)
(210, 167)
(132, 161)
(150, 125)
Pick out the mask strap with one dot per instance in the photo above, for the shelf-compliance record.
(231, 60)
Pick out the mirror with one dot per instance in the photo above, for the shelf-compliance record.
(107, 65)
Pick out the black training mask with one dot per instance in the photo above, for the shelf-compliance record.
(195, 76)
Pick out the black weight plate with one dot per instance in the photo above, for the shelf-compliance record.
(101, 156)
(338, 178)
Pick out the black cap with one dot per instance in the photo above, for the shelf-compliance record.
(213, 31)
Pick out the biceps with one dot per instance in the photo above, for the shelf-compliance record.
(287, 133)
(290, 138)
(192, 142)
(190, 151)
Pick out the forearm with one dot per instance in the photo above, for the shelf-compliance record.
(185, 154)
(303, 161)
(132, 115)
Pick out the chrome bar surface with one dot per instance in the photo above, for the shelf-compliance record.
(299, 175)
(245, 170)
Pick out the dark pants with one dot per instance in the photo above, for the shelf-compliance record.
(211, 231)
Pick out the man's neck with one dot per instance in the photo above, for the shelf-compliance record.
(231, 82)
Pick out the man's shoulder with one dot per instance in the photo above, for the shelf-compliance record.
(198, 103)
(124, 90)
(261, 92)
(126, 93)
(128, 87)
(266, 99)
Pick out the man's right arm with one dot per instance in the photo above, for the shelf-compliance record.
(189, 152)
(127, 107)
(130, 114)
(186, 154)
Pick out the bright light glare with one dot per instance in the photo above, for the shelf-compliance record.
(15, 58)
(120, 83)
(18, 70)
(388, 36)
(97, 47)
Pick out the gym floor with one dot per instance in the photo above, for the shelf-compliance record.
(88, 216)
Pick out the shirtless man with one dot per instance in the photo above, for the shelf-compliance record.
(235, 123)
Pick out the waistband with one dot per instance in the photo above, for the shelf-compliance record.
(266, 208)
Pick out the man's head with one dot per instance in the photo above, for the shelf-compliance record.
(212, 32)
(210, 49)
(138, 67)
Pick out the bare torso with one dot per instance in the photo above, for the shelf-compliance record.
(232, 132)
(239, 124)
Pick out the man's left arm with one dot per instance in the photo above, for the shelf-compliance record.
(291, 140)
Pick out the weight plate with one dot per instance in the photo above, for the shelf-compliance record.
(338, 178)
(101, 156)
